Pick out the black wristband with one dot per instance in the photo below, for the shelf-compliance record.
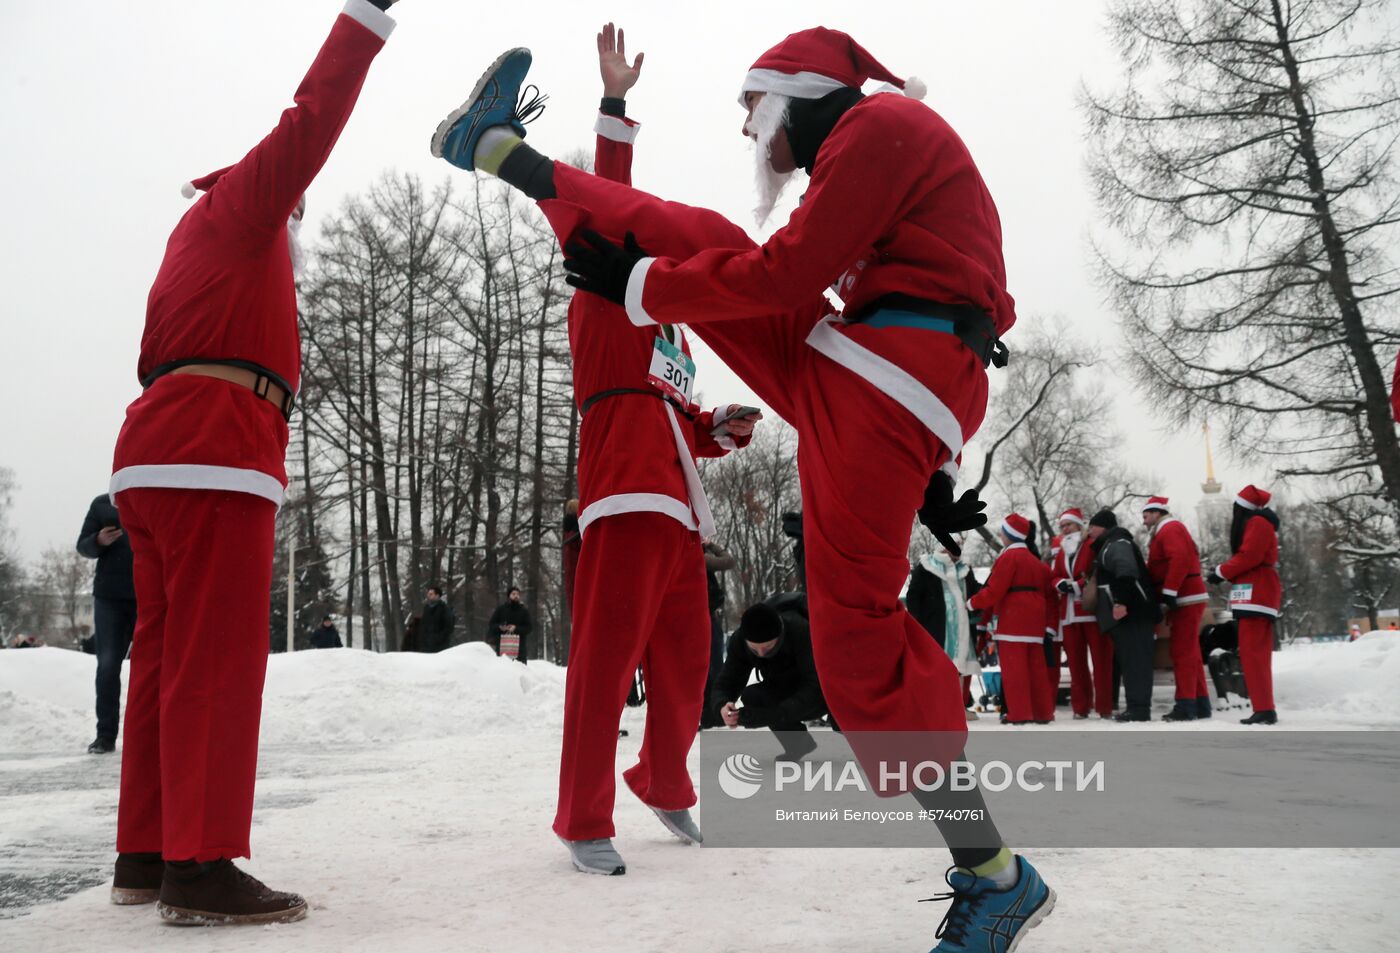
(613, 106)
(383, 4)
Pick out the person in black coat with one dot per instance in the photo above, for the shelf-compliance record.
(510, 616)
(1127, 610)
(114, 612)
(326, 635)
(435, 623)
(772, 639)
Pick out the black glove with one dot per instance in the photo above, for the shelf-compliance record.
(601, 267)
(1169, 601)
(944, 516)
(792, 525)
(1214, 577)
(1066, 586)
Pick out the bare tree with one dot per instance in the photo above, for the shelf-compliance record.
(1246, 159)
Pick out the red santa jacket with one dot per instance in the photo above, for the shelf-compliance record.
(1252, 572)
(1174, 563)
(224, 292)
(1020, 596)
(1073, 560)
(636, 452)
(895, 205)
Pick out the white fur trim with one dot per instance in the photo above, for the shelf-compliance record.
(615, 129)
(1010, 531)
(1221, 574)
(198, 476)
(804, 85)
(636, 285)
(1025, 639)
(188, 190)
(915, 88)
(1066, 517)
(1192, 600)
(1241, 501)
(952, 469)
(619, 503)
(1169, 592)
(891, 380)
(720, 415)
(704, 519)
(370, 17)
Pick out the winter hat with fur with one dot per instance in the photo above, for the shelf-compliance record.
(812, 63)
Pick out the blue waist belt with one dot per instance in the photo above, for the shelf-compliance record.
(968, 324)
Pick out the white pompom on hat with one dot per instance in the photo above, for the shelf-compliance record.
(204, 183)
(812, 63)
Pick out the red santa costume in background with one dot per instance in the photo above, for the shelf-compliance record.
(895, 211)
(640, 590)
(1174, 563)
(1089, 688)
(1020, 597)
(199, 475)
(1256, 593)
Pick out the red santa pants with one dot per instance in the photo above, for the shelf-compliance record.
(864, 461)
(1081, 679)
(1185, 624)
(1024, 686)
(642, 598)
(1257, 660)
(202, 564)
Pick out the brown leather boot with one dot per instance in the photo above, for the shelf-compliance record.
(136, 878)
(218, 893)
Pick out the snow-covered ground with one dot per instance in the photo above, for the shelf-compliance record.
(409, 798)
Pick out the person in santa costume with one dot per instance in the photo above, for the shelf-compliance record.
(1020, 596)
(1090, 687)
(198, 475)
(1174, 564)
(640, 594)
(1256, 593)
(884, 395)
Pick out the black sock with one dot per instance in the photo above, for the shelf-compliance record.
(971, 842)
(530, 172)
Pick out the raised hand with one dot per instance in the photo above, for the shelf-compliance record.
(618, 77)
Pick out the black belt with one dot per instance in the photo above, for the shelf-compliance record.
(1024, 589)
(264, 377)
(970, 325)
(644, 391)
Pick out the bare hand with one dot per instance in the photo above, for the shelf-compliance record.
(108, 535)
(741, 426)
(1120, 612)
(618, 77)
(730, 714)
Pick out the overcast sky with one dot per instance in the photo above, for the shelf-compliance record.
(109, 107)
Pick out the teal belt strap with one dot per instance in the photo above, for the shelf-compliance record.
(887, 318)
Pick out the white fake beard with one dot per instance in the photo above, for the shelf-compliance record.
(767, 119)
(294, 247)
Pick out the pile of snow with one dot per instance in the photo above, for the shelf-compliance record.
(1341, 684)
(336, 696)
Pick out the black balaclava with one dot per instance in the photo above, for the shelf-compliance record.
(810, 121)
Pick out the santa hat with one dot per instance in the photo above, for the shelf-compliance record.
(1253, 498)
(1073, 515)
(204, 183)
(810, 64)
(1016, 526)
(1156, 503)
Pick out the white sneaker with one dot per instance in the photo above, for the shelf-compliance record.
(681, 824)
(595, 857)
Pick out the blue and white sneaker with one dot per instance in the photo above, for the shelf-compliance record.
(985, 919)
(496, 100)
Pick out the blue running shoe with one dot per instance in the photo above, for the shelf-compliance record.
(984, 919)
(497, 100)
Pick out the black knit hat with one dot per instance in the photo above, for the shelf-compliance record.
(1104, 518)
(760, 623)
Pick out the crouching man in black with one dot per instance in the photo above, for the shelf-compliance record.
(773, 639)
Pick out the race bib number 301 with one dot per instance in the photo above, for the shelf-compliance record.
(672, 372)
